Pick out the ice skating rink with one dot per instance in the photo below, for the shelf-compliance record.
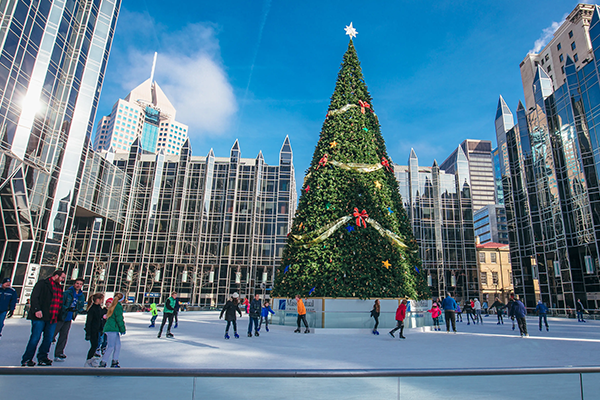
(199, 344)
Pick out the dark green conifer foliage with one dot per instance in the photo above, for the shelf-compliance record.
(350, 262)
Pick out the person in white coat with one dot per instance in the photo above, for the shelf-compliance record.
(478, 312)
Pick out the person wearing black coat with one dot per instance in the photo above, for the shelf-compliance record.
(93, 325)
(230, 308)
(255, 310)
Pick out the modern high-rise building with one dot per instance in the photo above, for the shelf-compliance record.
(551, 183)
(439, 206)
(145, 113)
(571, 39)
(203, 226)
(481, 170)
(54, 55)
(490, 224)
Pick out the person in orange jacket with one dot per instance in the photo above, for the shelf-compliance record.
(435, 314)
(301, 315)
(400, 315)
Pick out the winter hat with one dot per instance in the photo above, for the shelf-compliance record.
(5, 280)
(235, 295)
(109, 300)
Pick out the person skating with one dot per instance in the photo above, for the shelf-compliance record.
(580, 311)
(519, 311)
(264, 315)
(542, 312)
(72, 305)
(375, 312)
(93, 326)
(499, 306)
(477, 308)
(154, 313)
(168, 313)
(449, 306)
(255, 310)
(176, 313)
(8, 301)
(229, 309)
(458, 313)
(46, 302)
(468, 310)
(113, 328)
(511, 300)
(301, 315)
(485, 308)
(400, 315)
(435, 315)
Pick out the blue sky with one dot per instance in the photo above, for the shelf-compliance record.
(260, 70)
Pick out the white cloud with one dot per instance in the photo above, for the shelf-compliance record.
(188, 69)
(546, 36)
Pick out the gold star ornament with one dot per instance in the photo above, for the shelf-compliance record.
(377, 184)
(332, 144)
(386, 264)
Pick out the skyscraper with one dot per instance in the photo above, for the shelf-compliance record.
(145, 113)
(481, 170)
(551, 185)
(54, 55)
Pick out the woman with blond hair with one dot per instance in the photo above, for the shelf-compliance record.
(93, 325)
(114, 327)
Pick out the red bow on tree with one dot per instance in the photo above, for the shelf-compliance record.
(360, 217)
(386, 164)
(322, 161)
(363, 105)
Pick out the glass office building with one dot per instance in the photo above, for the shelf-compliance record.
(551, 186)
(439, 206)
(52, 62)
(203, 226)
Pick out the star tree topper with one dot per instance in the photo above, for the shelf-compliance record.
(350, 31)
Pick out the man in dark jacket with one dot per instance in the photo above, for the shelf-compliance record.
(255, 309)
(542, 312)
(580, 310)
(449, 306)
(8, 301)
(499, 306)
(168, 312)
(519, 311)
(46, 304)
(71, 306)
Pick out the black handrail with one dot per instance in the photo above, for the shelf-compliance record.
(290, 373)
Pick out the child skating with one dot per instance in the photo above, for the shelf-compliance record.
(435, 314)
(264, 315)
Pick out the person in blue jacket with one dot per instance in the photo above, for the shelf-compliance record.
(264, 315)
(8, 301)
(519, 311)
(542, 310)
(449, 306)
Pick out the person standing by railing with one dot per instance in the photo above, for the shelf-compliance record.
(375, 312)
(580, 311)
(542, 310)
(449, 306)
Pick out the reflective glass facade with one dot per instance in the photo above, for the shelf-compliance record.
(203, 226)
(551, 189)
(52, 62)
(439, 206)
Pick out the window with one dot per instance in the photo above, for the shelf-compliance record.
(561, 58)
(549, 68)
(542, 61)
(547, 57)
(573, 46)
(482, 257)
(556, 268)
(570, 34)
(575, 57)
(562, 69)
(495, 278)
(589, 265)
(493, 257)
(484, 278)
(558, 47)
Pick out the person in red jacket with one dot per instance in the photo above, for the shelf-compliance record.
(400, 315)
(435, 314)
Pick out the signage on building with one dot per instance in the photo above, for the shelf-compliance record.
(31, 277)
(151, 294)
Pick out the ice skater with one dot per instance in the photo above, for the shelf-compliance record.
(154, 313)
(375, 312)
(229, 309)
(469, 312)
(176, 313)
(301, 315)
(542, 310)
(93, 326)
(458, 313)
(477, 308)
(449, 306)
(499, 306)
(435, 315)
(168, 313)
(519, 312)
(255, 311)
(114, 328)
(264, 315)
(400, 315)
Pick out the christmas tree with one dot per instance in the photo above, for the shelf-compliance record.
(351, 236)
